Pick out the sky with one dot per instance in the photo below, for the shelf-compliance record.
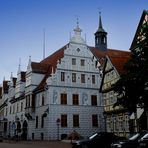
(23, 23)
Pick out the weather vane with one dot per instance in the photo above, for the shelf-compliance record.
(77, 18)
(99, 8)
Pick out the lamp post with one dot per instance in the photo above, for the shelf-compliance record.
(58, 124)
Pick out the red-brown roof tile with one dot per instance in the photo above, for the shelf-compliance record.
(39, 67)
(47, 66)
(119, 63)
(117, 57)
(110, 52)
(42, 84)
(53, 59)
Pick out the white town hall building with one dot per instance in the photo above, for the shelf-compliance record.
(56, 96)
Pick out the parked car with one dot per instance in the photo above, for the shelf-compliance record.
(101, 139)
(131, 142)
(143, 142)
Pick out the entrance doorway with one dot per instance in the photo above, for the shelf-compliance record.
(24, 130)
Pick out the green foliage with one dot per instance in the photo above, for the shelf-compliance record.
(132, 87)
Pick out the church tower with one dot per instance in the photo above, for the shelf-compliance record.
(101, 37)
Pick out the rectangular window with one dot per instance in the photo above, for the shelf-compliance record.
(21, 106)
(75, 98)
(93, 79)
(82, 78)
(64, 120)
(75, 120)
(36, 125)
(13, 108)
(62, 76)
(95, 120)
(29, 101)
(43, 100)
(73, 77)
(10, 110)
(82, 62)
(93, 100)
(63, 98)
(17, 108)
(73, 61)
(42, 121)
(6, 111)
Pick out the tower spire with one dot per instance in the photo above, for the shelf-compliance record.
(101, 36)
(100, 21)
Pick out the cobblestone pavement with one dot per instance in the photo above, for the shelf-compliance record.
(35, 144)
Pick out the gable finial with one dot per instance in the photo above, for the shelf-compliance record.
(85, 38)
(29, 62)
(77, 30)
(77, 21)
(70, 35)
(19, 66)
(100, 20)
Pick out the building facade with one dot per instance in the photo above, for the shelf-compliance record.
(139, 120)
(69, 91)
(117, 118)
(56, 96)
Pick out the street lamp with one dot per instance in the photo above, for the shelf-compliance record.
(58, 124)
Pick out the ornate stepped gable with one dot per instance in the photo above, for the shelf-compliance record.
(49, 64)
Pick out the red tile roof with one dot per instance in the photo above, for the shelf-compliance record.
(110, 52)
(42, 84)
(117, 57)
(47, 66)
(119, 62)
(39, 67)
(52, 59)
